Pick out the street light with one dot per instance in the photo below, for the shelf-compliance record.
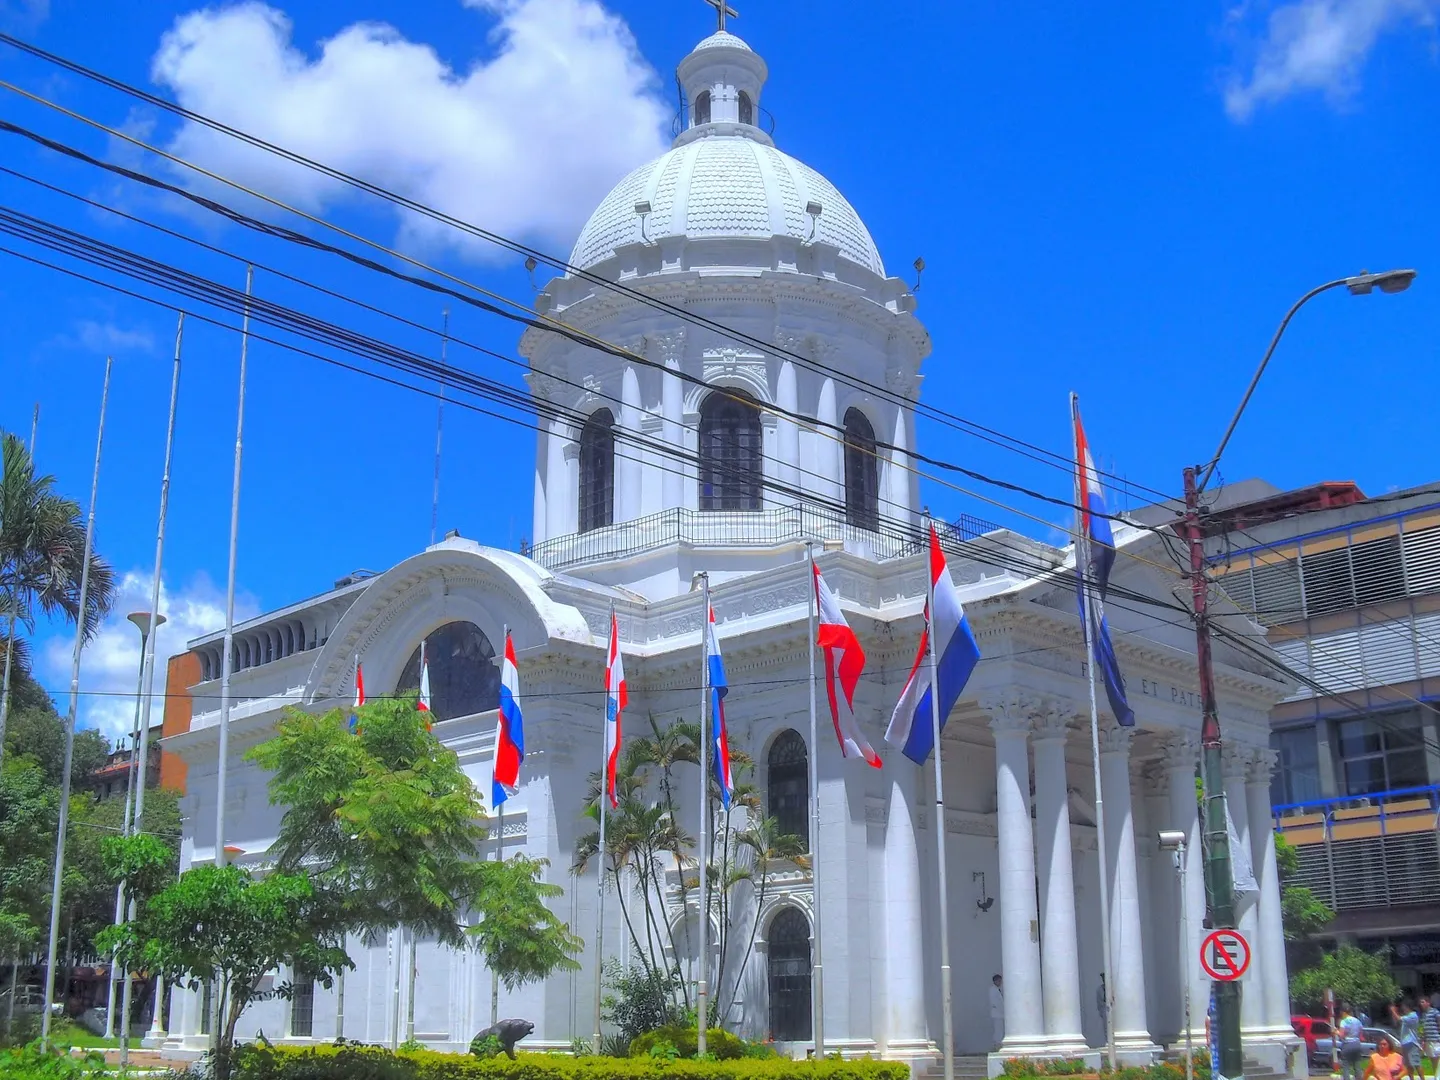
(144, 624)
(1219, 881)
(1174, 840)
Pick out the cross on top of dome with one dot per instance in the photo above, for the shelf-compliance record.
(721, 10)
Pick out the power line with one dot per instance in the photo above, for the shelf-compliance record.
(1016, 445)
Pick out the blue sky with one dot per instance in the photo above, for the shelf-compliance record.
(1116, 199)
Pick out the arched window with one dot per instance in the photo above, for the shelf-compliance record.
(862, 485)
(702, 107)
(788, 786)
(731, 453)
(464, 678)
(789, 977)
(747, 109)
(597, 471)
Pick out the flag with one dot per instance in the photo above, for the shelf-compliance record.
(844, 660)
(956, 655)
(510, 738)
(617, 696)
(1095, 527)
(1242, 873)
(719, 738)
(359, 695)
(422, 703)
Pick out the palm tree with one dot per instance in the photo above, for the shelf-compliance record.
(42, 555)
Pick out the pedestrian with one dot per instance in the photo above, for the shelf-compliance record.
(1409, 1023)
(1430, 1033)
(1385, 1063)
(1351, 1033)
(997, 1010)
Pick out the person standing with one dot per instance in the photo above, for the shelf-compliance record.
(1409, 1023)
(997, 1010)
(1385, 1063)
(1430, 1033)
(1351, 1033)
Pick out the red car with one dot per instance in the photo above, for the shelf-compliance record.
(1311, 1028)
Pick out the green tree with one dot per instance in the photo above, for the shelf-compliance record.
(42, 555)
(219, 925)
(1360, 978)
(1302, 913)
(388, 827)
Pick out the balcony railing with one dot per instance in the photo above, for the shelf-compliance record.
(742, 529)
(1369, 851)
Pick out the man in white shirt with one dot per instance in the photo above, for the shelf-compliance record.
(997, 1011)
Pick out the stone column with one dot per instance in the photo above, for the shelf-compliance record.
(1059, 950)
(672, 407)
(830, 484)
(1270, 948)
(787, 434)
(558, 496)
(905, 957)
(628, 479)
(1252, 988)
(1181, 755)
(1019, 920)
(1127, 981)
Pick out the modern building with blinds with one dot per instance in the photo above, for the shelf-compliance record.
(1348, 588)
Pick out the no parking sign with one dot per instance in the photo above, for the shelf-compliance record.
(1225, 955)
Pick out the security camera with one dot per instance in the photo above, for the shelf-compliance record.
(1172, 840)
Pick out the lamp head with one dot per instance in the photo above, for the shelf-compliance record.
(143, 622)
(1390, 281)
(1171, 840)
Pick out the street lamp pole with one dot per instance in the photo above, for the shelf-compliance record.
(1219, 879)
(1174, 841)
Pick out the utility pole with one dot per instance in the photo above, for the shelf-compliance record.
(1219, 882)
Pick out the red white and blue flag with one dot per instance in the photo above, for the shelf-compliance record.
(510, 739)
(359, 694)
(719, 737)
(844, 661)
(1090, 594)
(956, 654)
(617, 697)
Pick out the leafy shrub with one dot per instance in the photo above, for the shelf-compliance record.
(615, 1046)
(32, 1062)
(1018, 1067)
(719, 1043)
(485, 1047)
(375, 1063)
(640, 1000)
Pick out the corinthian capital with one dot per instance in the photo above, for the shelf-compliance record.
(1114, 739)
(1262, 765)
(1180, 750)
(1054, 718)
(1010, 713)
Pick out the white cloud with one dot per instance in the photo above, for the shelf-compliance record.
(525, 142)
(108, 337)
(110, 663)
(1318, 46)
(23, 14)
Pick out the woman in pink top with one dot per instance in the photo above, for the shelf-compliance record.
(1385, 1063)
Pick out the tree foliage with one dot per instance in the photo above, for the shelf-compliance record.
(519, 937)
(219, 925)
(1359, 978)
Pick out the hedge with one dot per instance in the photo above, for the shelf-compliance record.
(375, 1063)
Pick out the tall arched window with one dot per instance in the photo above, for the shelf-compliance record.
(597, 471)
(862, 484)
(789, 977)
(747, 109)
(702, 107)
(464, 678)
(731, 452)
(787, 785)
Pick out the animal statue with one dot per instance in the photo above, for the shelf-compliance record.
(509, 1032)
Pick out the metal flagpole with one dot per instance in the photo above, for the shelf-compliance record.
(80, 630)
(14, 598)
(1082, 567)
(947, 1022)
(604, 795)
(147, 668)
(439, 423)
(817, 977)
(499, 838)
(222, 757)
(702, 990)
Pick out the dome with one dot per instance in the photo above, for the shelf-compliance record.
(725, 185)
(723, 39)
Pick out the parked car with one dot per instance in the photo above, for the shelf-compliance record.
(28, 999)
(1369, 1037)
(1311, 1028)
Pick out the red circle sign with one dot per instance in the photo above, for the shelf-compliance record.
(1225, 955)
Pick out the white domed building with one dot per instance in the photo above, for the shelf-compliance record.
(730, 376)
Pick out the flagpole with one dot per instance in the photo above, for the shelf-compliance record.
(439, 423)
(702, 991)
(604, 796)
(947, 1022)
(817, 976)
(499, 835)
(1082, 563)
(226, 666)
(80, 628)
